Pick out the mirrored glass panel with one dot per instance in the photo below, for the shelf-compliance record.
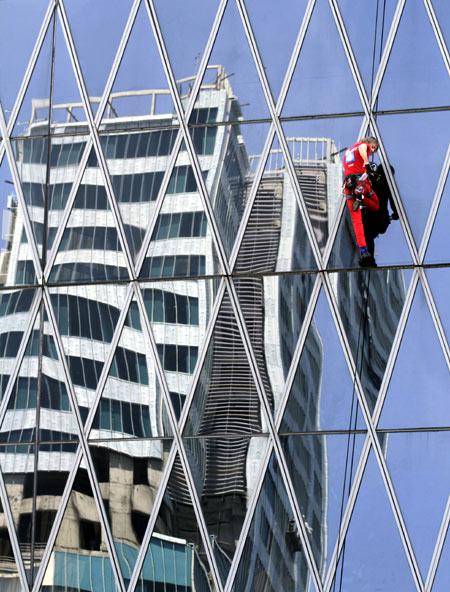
(16, 252)
(416, 180)
(418, 392)
(373, 556)
(129, 474)
(370, 304)
(14, 320)
(179, 314)
(182, 237)
(38, 400)
(18, 464)
(91, 247)
(79, 559)
(317, 148)
(442, 572)
(439, 243)
(378, 21)
(323, 394)
(275, 236)
(132, 401)
(229, 156)
(416, 75)
(226, 398)
(274, 309)
(276, 28)
(96, 48)
(52, 103)
(225, 472)
(9, 573)
(195, 19)
(231, 88)
(322, 470)
(439, 285)
(420, 472)
(176, 556)
(273, 557)
(140, 91)
(87, 317)
(19, 48)
(322, 81)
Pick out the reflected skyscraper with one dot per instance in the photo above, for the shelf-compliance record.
(130, 433)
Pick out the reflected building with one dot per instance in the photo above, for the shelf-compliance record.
(130, 435)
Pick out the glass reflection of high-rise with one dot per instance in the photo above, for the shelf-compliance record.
(199, 385)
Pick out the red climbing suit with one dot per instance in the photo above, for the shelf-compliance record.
(354, 165)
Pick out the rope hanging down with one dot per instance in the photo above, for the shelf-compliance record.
(350, 457)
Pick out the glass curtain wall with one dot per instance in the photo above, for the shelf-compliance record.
(202, 389)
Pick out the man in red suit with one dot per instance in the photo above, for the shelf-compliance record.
(359, 191)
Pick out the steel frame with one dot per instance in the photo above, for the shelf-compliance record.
(56, 8)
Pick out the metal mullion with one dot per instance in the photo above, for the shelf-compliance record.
(251, 197)
(306, 325)
(12, 533)
(248, 518)
(346, 517)
(299, 195)
(440, 541)
(367, 108)
(68, 209)
(57, 522)
(82, 166)
(37, 299)
(95, 138)
(177, 437)
(389, 488)
(20, 196)
(201, 357)
(281, 138)
(435, 206)
(395, 348)
(353, 64)
(158, 203)
(177, 145)
(152, 519)
(295, 55)
(387, 52)
(83, 442)
(435, 316)
(434, 21)
(203, 193)
(30, 69)
(267, 416)
(201, 524)
(117, 61)
(256, 57)
(292, 497)
(205, 58)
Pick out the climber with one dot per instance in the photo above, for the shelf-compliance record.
(359, 192)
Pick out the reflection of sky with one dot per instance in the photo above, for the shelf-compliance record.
(336, 389)
(420, 397)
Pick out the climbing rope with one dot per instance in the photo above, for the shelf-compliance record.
(353, 420)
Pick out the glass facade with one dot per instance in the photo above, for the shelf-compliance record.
(201, 388)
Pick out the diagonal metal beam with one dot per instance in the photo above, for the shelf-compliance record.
(95, 138)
